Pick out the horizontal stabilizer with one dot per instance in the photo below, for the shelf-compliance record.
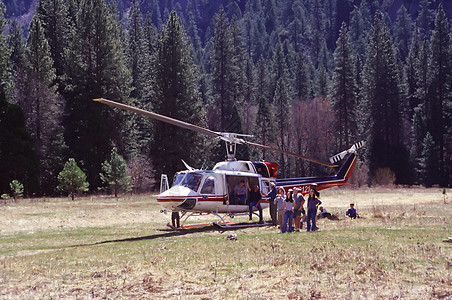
(340, 156)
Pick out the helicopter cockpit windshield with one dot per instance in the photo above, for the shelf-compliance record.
(190, 180)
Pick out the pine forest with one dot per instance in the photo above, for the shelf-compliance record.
(307, 76)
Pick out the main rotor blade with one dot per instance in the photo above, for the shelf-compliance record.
(327, 164)
(160, 117)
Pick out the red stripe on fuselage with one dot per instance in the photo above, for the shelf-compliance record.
(199, 198)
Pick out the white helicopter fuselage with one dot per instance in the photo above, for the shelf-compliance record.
(211, 191)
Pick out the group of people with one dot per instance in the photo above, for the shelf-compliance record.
(286, 210)
(239, 196)
(291, 212)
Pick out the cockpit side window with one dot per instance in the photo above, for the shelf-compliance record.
(178, 178)
(209, 186)
(192, 181)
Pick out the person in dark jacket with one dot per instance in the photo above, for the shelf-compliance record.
(313, 203)
(255, 200)
(351, 212)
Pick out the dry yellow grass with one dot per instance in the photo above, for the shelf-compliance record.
(101, 247)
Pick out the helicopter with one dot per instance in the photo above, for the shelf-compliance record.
(199, 192)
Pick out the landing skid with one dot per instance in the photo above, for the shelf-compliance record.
(223, 224)
(200, 225)
(243, 225)
(186, 215)
(227, 225)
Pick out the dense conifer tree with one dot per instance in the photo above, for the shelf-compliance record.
(18, 152)
(428, 161)
(425, 17)
(360, 24)
(403, 29)
(281, 100)
(177, 97)
(302, 82)
(264, 130)
(98, 70)
(72, 179)
(222, 67)
(381, 105)
(54, 18)
(35, 92)
(114, 173)
(18, 156)
(137, 130)
(16, 44)
(438, 118)
(343, 92)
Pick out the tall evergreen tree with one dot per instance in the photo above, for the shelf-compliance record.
(178, 97)
(98, 70)
(403, 29)
(428, 161)
(137, 130)
(425, 17)
(343, 91)
(302, 80)
(18, 152)
(54, 17)
(417, 78)
(279, 70)
(16, 44)
(18, 157)
(237, 63)
(5, 53)
(440, 92)
(35, 92)
(222, 68)
(321, 82)
(193, 17)
(360, 24)
(264, 129)
(381, 107)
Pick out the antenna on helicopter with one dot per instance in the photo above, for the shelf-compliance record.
(231, 139)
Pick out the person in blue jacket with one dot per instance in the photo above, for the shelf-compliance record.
(351, 212)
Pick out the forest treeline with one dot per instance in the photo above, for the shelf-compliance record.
(307, 76)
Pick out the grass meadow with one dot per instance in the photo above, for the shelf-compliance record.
(106, 248)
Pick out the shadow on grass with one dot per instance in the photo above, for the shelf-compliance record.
(167, 233)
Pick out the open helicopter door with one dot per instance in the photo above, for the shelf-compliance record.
(164, 184)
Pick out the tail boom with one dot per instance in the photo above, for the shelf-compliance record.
(304, 183)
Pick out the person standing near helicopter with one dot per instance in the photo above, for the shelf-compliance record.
(272, 196)
(288, 212)
(280, 198)
(255, 199)
(313, 203)
(298, 210)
